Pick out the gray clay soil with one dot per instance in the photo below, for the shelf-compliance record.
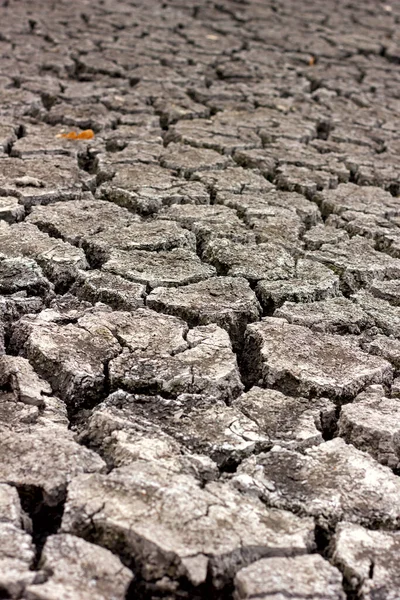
(200, 305)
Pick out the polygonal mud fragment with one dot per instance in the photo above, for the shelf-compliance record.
(77, 569)
(17, 555)
(44, 458)
(256, 158)
(88, 115)
(322, 234)
(22, 274)
(297, 204)
(11, 210)
(274, 224)
(171, 528)
(304, 181)
(10, 506)
(153, 269)
(120, 430)
(386, 290)
(143, 331)
(291, 422)
(209, 222)
(335, 315)
(368, 560)
(146, 190)
(125, 428)
(79, 219)
(311, 281)
(59, 260)
(254, 262)
(384, 316)
(381, 345)
(383, 231)
(17, 552)
(295, 578)
(370, 423)
(290, 128)
(68, 309)
(49, 179)
(154, 236)
(100, 286)
(37, 450)
(187, 160)
(206, 366)
(71, 358)
(235, 180)
(14, 307)
(356, 262)
(41, 139)
(199, 424)
(301, 362)
(17, 374)
(227, 301)
(332, 482)
(357, 199)
(204, 133)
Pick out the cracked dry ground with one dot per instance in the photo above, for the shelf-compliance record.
(200, 307)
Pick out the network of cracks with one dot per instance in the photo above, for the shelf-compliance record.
(199, 306)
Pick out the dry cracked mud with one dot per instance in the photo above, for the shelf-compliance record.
(199, 300)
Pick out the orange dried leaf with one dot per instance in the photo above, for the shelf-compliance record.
(88, 134)
(72, 135)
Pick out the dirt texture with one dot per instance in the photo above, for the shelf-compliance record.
(199, 300)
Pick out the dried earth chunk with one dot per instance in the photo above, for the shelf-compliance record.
(200, 424)
(17, 552)
(311, 281)
(227, 301)
(79, 219)
(299, 361)
(170, 527)
(368, 560)
(50, 179)
(71, 358)
(206, 366)
(298, 481)
(290, 422)
(153, 236)
(295, 578)
(146, 191)
(235, 180)
(385, 317)
(304, 181)
(37, 449)
(386, 290)
(335, 315)
(11, 210)
(209, 222)
(322, 234)
(357, 263)
(357, 199)
(246, 202)
(59, 260)
(370, 423)
(77, 569)
(100, 286)
(187, 160)
(254, 262)
(153, 269)
(22, 274)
